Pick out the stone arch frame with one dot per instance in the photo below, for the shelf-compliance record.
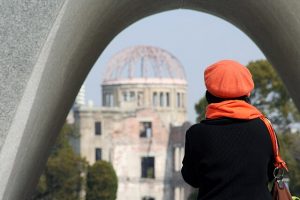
(76, 34)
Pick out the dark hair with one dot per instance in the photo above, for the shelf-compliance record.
(210, 98)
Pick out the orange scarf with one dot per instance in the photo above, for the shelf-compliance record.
(238, 109)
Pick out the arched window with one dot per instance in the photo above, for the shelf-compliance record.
(178, 97)
(161, 100)
(108, 100)
(125, 96)
(155, 99)
(111, 100)
(131, 95)
(168, 99)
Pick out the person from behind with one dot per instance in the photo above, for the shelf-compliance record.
(228, 155)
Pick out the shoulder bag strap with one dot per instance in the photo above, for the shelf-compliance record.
(278, 161)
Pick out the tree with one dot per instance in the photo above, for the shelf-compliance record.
(102, 182)
(271, 96)
(200, 108)
(61, 179)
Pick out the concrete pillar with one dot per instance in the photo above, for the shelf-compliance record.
(48, 47)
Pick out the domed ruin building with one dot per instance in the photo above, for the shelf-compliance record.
(141, 125)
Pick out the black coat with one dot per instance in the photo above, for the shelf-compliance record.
(229, 159)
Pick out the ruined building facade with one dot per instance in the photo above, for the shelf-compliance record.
(140, 127)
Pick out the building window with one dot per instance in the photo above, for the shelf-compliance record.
(182, 100)
(168, 99)
(128, 95)
(132, 95)
(161, 99)
(108, 100)
(148, 167)
(111, 100)
(140, 98)
(146, 129)
(178, 99)
(105, 99)
(97, 128)
(98, 153)
(155, 99)
(148, 198)
(125, 96)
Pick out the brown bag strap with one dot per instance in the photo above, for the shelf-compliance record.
(278, 161)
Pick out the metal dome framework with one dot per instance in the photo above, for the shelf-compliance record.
(143, 62)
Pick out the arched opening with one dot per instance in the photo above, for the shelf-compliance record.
(176, 192)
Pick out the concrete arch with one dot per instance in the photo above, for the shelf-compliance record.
(63, 38)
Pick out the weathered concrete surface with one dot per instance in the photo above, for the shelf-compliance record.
(48, 47)
(23, 31)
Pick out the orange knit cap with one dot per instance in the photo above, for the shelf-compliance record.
(228, 79)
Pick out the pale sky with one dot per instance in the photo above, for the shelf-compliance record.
(195, 38)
